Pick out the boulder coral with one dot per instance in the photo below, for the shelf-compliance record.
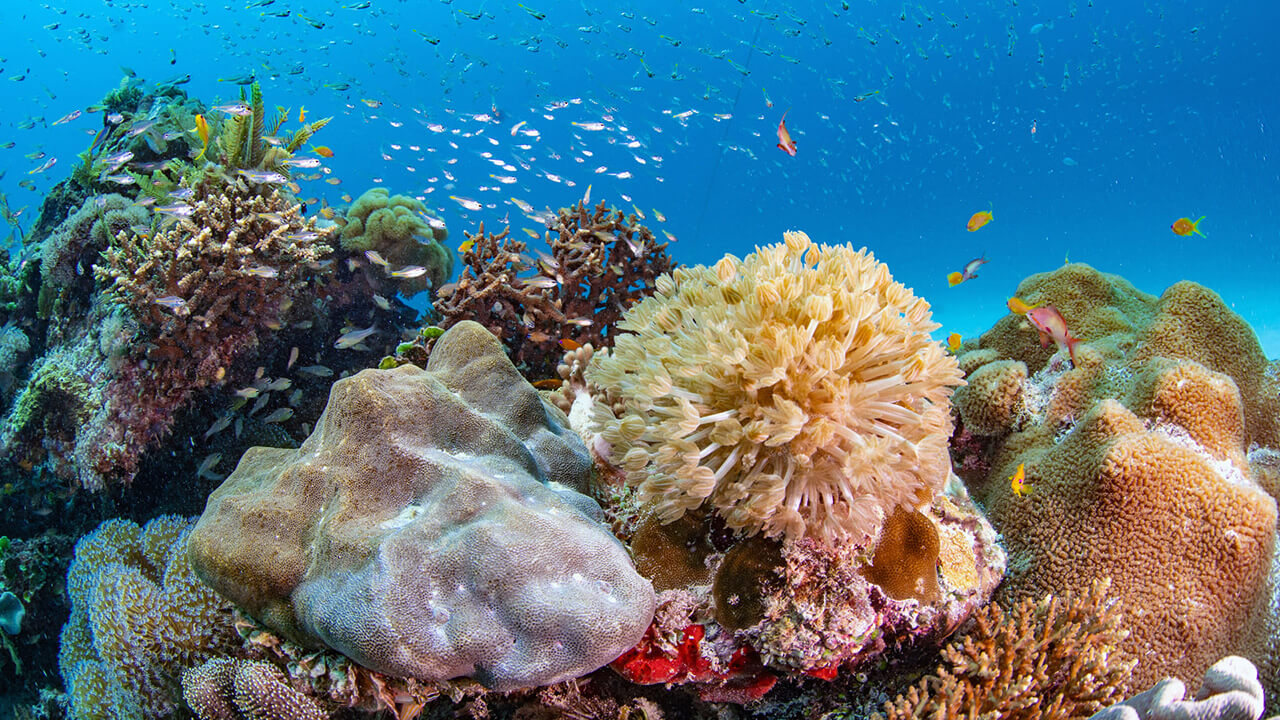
(399, 229)
(795, 392)
(429, 528)
(1140, 462)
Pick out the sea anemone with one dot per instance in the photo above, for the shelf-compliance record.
(797, 391)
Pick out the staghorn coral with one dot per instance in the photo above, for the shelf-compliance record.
(400, 230)
(1137, 460)
(1230, 691)
(601, 263)
(1046, 658)
(139, 617)
(796, 392)
(378, 538)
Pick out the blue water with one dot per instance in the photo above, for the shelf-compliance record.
(1143, 113)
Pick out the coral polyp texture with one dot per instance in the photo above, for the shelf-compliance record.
(796, 391)
(401, 232)
(429, 528)
(1230, 690)
(139, 618)
(1144, 461)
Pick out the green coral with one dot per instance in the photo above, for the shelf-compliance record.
(53, 384)
(397, 228)
(139, 618)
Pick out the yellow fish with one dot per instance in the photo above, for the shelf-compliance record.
(466, 245)
(953, 342)
(1019, 478)
(202, 129)
(1018, 307)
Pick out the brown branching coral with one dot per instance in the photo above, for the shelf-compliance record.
(1047, 658)
(601, 262)
(208, 282)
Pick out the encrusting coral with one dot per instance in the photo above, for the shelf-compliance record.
(1046, 658)
(1138, 460)
(400, 233)
(601, 263)
(139, 618)
(432, 550)
(796, 392)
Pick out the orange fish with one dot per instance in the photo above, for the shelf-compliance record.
(980, 218)
(970, 272)
(785, 143)
(1018, 307)
(1019, 481)
(322, 151)
(570, 344)
(548, 384)
(953, 342)
(302, 114)
(1184, 226)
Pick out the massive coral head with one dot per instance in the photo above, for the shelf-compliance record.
(797, 392)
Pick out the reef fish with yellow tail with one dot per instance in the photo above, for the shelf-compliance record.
(1185, 227)
(978, 219)
(970, 271)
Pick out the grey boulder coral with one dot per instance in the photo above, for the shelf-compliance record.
(429, 528)
(1229, 691)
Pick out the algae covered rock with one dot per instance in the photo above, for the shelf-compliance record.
(427, 528)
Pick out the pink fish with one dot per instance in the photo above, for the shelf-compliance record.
(1052, 326)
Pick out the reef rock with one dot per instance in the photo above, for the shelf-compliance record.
(429, 528)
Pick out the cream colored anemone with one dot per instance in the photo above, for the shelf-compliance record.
(797, 392)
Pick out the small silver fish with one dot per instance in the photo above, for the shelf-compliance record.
(409, 271)
(174, 303)
(238, 109)
(317, 370)
(278, 415)
(265, 177)
(248, 393)
(279, 384)
(175, 210)
(376, 258)
(353, 337)
(219, 425)
(540, 281)
(206, 468)
(293, 357)
(261, 271)
(302, 162)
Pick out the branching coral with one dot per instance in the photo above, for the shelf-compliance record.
(601, 263)
(797, 392)
(1047, 658)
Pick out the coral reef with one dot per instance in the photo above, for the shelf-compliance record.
(735, 616)
(1137, 460)
(1046, 658)
(797, 392)
(178, 307)
(139, 618)
(1230, 691)
(241, 137)
(455, 548)
(601, 263)
(397, 233)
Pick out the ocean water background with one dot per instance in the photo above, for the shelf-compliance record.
(1143, 113)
